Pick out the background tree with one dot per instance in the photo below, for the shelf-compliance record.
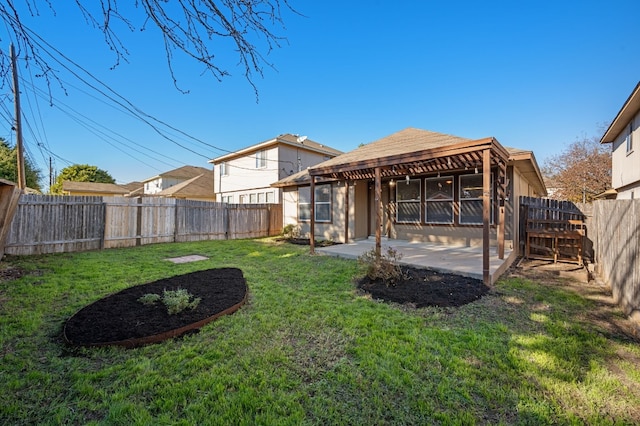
(81, 173)
(580, 172)
(9, 168)
(191, 28)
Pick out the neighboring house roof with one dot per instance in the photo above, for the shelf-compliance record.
(403, 144)
(630, 108)
(200, 186)
(609, 194)
(184, 172)
(133, 186)
(103, 188)
(286, 139)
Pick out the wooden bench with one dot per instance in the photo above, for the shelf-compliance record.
(562, 240)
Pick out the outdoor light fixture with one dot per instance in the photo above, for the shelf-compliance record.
(476, 169)
(438, 174)
(392, 182)
(407, 179)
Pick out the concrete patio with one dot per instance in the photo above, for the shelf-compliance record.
(460, 260)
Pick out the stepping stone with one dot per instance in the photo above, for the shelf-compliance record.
(187, 259)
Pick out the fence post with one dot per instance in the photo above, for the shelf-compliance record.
(139, 222)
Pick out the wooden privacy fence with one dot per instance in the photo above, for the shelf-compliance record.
(55, 224)
(616, 236)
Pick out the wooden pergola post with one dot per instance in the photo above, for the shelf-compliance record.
(378, 207)
(312, 231)
(502, 176)
(486, 213)
(346, 211)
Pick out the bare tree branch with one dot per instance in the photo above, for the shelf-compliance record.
(195, 28)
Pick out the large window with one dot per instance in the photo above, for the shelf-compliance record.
(323, 203)
(408, 201)
(471, 199)
(261, 159)
(439, 199)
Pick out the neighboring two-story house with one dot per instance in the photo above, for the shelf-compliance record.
(245, 176)
(624, 135)
(188, 182)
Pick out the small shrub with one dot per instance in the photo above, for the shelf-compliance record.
(385, 267)
(291, 231)
(176, 301)
(149, 299)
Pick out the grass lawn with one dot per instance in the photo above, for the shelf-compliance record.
(307, 348)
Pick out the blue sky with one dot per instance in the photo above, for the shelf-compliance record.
(534, 74)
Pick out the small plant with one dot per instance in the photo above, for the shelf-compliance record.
(385, 267)
(291, 231)
(176, 301)
(149, 299)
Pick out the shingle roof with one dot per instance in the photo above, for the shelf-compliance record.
(287, 139)
(107, 188)
(184, 172)
(402, 142)
(198, 186)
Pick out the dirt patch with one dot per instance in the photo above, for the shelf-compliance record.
(10, 273)
(423, 287)
(121, 316)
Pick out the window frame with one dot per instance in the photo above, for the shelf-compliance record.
(224, 169)
(629, 138)
(462, 199)
(261, 159)
(406, 202)
(306, 201)
(428, 201)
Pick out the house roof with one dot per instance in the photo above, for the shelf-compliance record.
(286, 139)
(526, 163)
(415, 151)
(629, 109)
(133, 186)
(105, 188)
(408, 152)
(198, 186)
(184, 172)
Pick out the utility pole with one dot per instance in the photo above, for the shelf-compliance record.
(50, 174)
(22, 184)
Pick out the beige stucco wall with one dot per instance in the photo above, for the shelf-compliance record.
(324, 231)
(362, 216)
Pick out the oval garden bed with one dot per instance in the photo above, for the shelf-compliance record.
(123, 319)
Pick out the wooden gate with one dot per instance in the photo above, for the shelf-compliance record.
(552, 229)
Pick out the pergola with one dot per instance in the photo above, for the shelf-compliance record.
(397, 157)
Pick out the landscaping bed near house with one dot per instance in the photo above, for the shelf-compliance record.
(422, 287)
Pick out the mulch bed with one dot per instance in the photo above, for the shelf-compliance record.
(423, 287)
(121, 319)
(307, 241)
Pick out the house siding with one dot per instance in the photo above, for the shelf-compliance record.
(362, 216)
(243, 179)
(625, 173)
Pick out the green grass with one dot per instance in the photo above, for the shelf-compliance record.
(308, 349)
